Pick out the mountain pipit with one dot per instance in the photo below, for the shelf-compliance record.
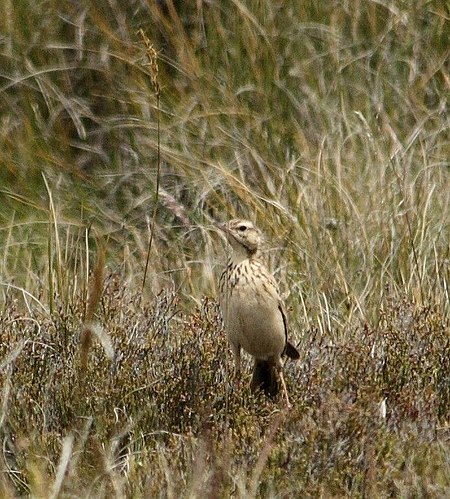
(252, 311)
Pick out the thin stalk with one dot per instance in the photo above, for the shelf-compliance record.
(152, 57)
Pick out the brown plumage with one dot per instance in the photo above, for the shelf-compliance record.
(252, 311)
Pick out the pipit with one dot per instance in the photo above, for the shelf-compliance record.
(252, 310)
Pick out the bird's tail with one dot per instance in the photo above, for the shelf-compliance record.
(265, 377)
(291, 351)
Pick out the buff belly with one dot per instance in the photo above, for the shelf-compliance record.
(255, 324)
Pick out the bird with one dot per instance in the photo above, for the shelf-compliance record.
(252, 311)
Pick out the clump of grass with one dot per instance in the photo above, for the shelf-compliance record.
(326, 126)
(168, 392)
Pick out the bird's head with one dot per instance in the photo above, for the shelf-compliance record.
(243, 237)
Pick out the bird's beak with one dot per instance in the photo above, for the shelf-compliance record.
(222, 227)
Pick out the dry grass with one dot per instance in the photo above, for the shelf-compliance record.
(161, 417)
(327, 124)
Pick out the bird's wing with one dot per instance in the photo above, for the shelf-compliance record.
(289, 349)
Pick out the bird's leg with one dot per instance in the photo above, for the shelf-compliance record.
(284, 389)
(236, 349)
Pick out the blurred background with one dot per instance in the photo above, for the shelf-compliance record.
(325, 123)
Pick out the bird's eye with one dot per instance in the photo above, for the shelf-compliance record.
(242, 228)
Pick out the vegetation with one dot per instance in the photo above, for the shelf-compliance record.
(127, 130)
